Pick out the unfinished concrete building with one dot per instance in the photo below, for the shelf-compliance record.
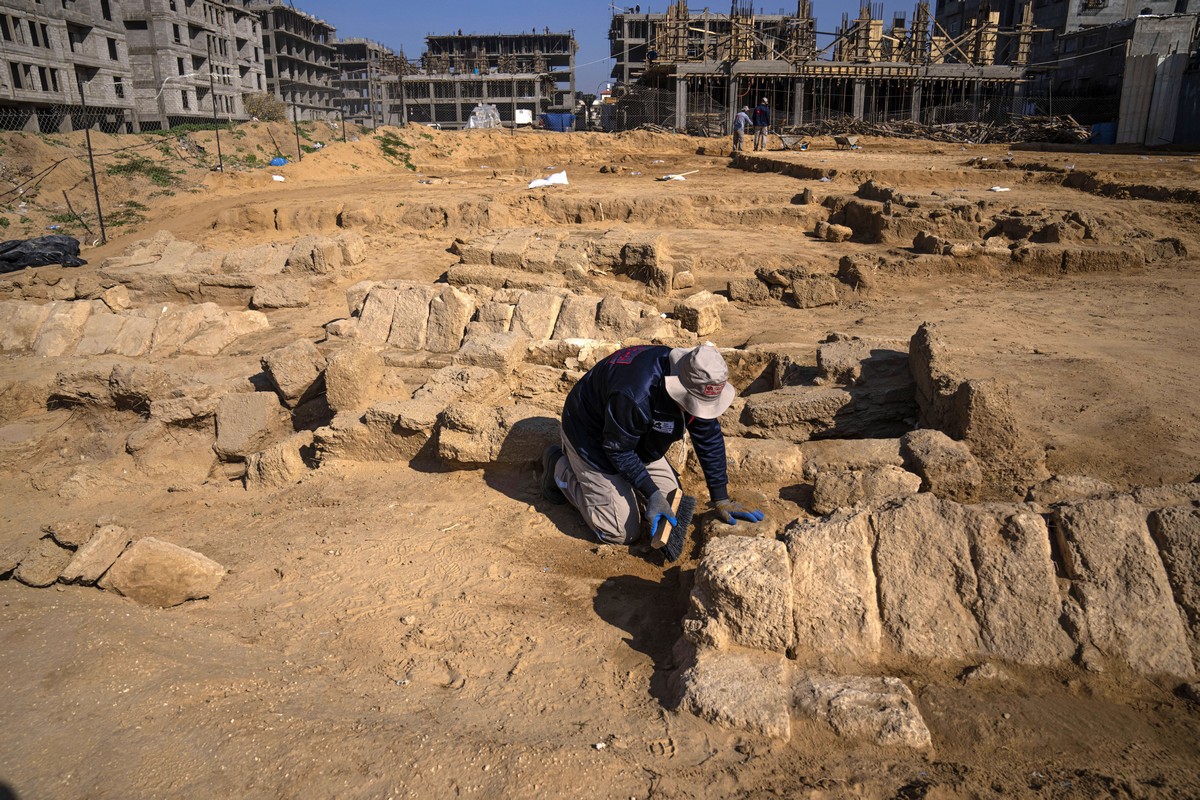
(361, 68)
(695, 71)
(50, 52)
(299, 58)
(192, 61)
(523, 75)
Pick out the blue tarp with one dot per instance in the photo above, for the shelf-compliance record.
(558, 122)
(278, 161)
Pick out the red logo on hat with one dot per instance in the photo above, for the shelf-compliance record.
(714, 389)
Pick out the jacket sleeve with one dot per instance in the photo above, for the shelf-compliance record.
(625, 422)
(709, 442)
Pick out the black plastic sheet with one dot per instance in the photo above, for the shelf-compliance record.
(40, 252)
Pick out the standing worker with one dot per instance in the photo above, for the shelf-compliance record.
(740, 122)
(762, 124)
(617, 424)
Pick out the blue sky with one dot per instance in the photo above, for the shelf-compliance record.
(404, 25)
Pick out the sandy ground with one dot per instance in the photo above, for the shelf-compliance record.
(405, 631)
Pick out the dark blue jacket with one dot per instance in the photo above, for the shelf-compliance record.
(619, 418)
(762, 115)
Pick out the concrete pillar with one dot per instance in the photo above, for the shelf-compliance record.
(916, 102)
(731, 106)
(681, 102)
(860, 97)
(798, 102)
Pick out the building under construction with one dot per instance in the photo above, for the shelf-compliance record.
(693, 71)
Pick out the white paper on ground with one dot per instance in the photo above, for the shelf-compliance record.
(557, 179)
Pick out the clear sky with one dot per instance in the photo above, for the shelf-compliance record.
(404, 25)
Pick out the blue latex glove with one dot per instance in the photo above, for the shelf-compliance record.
(658, 509)
(730, 511)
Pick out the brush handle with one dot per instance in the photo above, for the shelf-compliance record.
(660, 536)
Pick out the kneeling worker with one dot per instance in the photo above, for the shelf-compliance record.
(617, 424)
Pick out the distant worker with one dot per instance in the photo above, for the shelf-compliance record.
(617, 424)
(762, 124)
(740, 123)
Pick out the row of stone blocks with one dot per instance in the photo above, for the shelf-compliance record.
(93, 328)
(440, 318)
(927, 580)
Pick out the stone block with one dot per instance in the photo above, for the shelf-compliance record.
(870, 487)
(536, 314)
(1060, 488)
(42, 563)
(841, 455)
(851, 360)
(116, 298)
(1177, 494)
(295, 371)
(836, 612)
(683, 279)
(63, 328)
(351, 377)
(617, 318)
(799, 412)
(353, 247)
(451, 384)
(134, 338)
(882, 711)
(814, 292)
(508, 252)
(700, 313)
(946, 467)
(281, 464)
(837, 233)
(742, 596)
(375, 321)
(1176, 531)
(246, 423)
(99, 334)
(410, 318)
(450, 311)
(281, 293)
(927, 586)
(356, 297)
(763, 462)
(577, 318)
(749, 290)
(1121, 586)
(472, 434)
(745, 690)
(858, 273)
(93, 559)
(157, 573)
(317, 255)
(72, 533)
(498, 351)
(219, 330)
(19, 324)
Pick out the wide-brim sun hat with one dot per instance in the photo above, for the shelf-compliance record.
(699, 381)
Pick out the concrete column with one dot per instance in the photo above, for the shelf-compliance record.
(860, 97)
(681, 101)
(798, 102)
(916, 102)
(731, 106)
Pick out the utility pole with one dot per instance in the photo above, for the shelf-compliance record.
(87, 132)
(212, 98)
(296, 127)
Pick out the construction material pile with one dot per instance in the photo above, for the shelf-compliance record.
(1059, 130)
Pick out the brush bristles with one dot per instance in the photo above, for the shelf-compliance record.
(679, 533)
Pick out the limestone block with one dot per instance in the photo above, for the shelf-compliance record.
(410, 317)
(157, 573)
(246, 423)
(494, 317)
(295, 371)
(509, 250)
(1176, 531)
(616, 318)
(356, 297)
(72, 533)
(475, 434)
(99, 334)
(749, 290)
(930, 244)
(927, 585)
(872, 487)
(1121, 585)
(116, 298)
(63, 328)
(220, 329)
(838, 233)
(42, 563)
(801, 409)
(541, 253)
(94, 558)
(840, 455)
(577, 318)
(262, 259)
(318, 255)
(1178, 494)
(946, 467)
(280, 464)
(498, 351)
(353, 247)
(1059, 488)
(451, 384)
(858, 273)
(814, 292)
(134, 338)
(351, 378)
(882, 711)
(281, 293)
(1019, 606)
(833, 588)
(450, 311)
(744, 689)
(701, 313)
(742, 596)
(20, 323)
(341, 329)
(683, 279)
(375, 322)
(850, 360)
(574, 354)
(536, 314)
(763, 462)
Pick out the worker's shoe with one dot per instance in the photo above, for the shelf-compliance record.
(550, 491)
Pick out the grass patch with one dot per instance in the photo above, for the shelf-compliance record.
(162, 193)
(4, 223)
(130, 213)
(395, 149)
(137, 165)
(191, 127)
(62, 218)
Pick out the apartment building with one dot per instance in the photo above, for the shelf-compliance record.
(363, 69)
(299, 54)
(50, 52)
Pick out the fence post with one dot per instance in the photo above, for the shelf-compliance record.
(87, 133)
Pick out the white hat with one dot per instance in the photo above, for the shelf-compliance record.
(699, 381)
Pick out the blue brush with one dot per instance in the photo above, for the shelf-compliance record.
(671, 538)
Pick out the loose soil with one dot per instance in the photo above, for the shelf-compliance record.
(406, 631)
